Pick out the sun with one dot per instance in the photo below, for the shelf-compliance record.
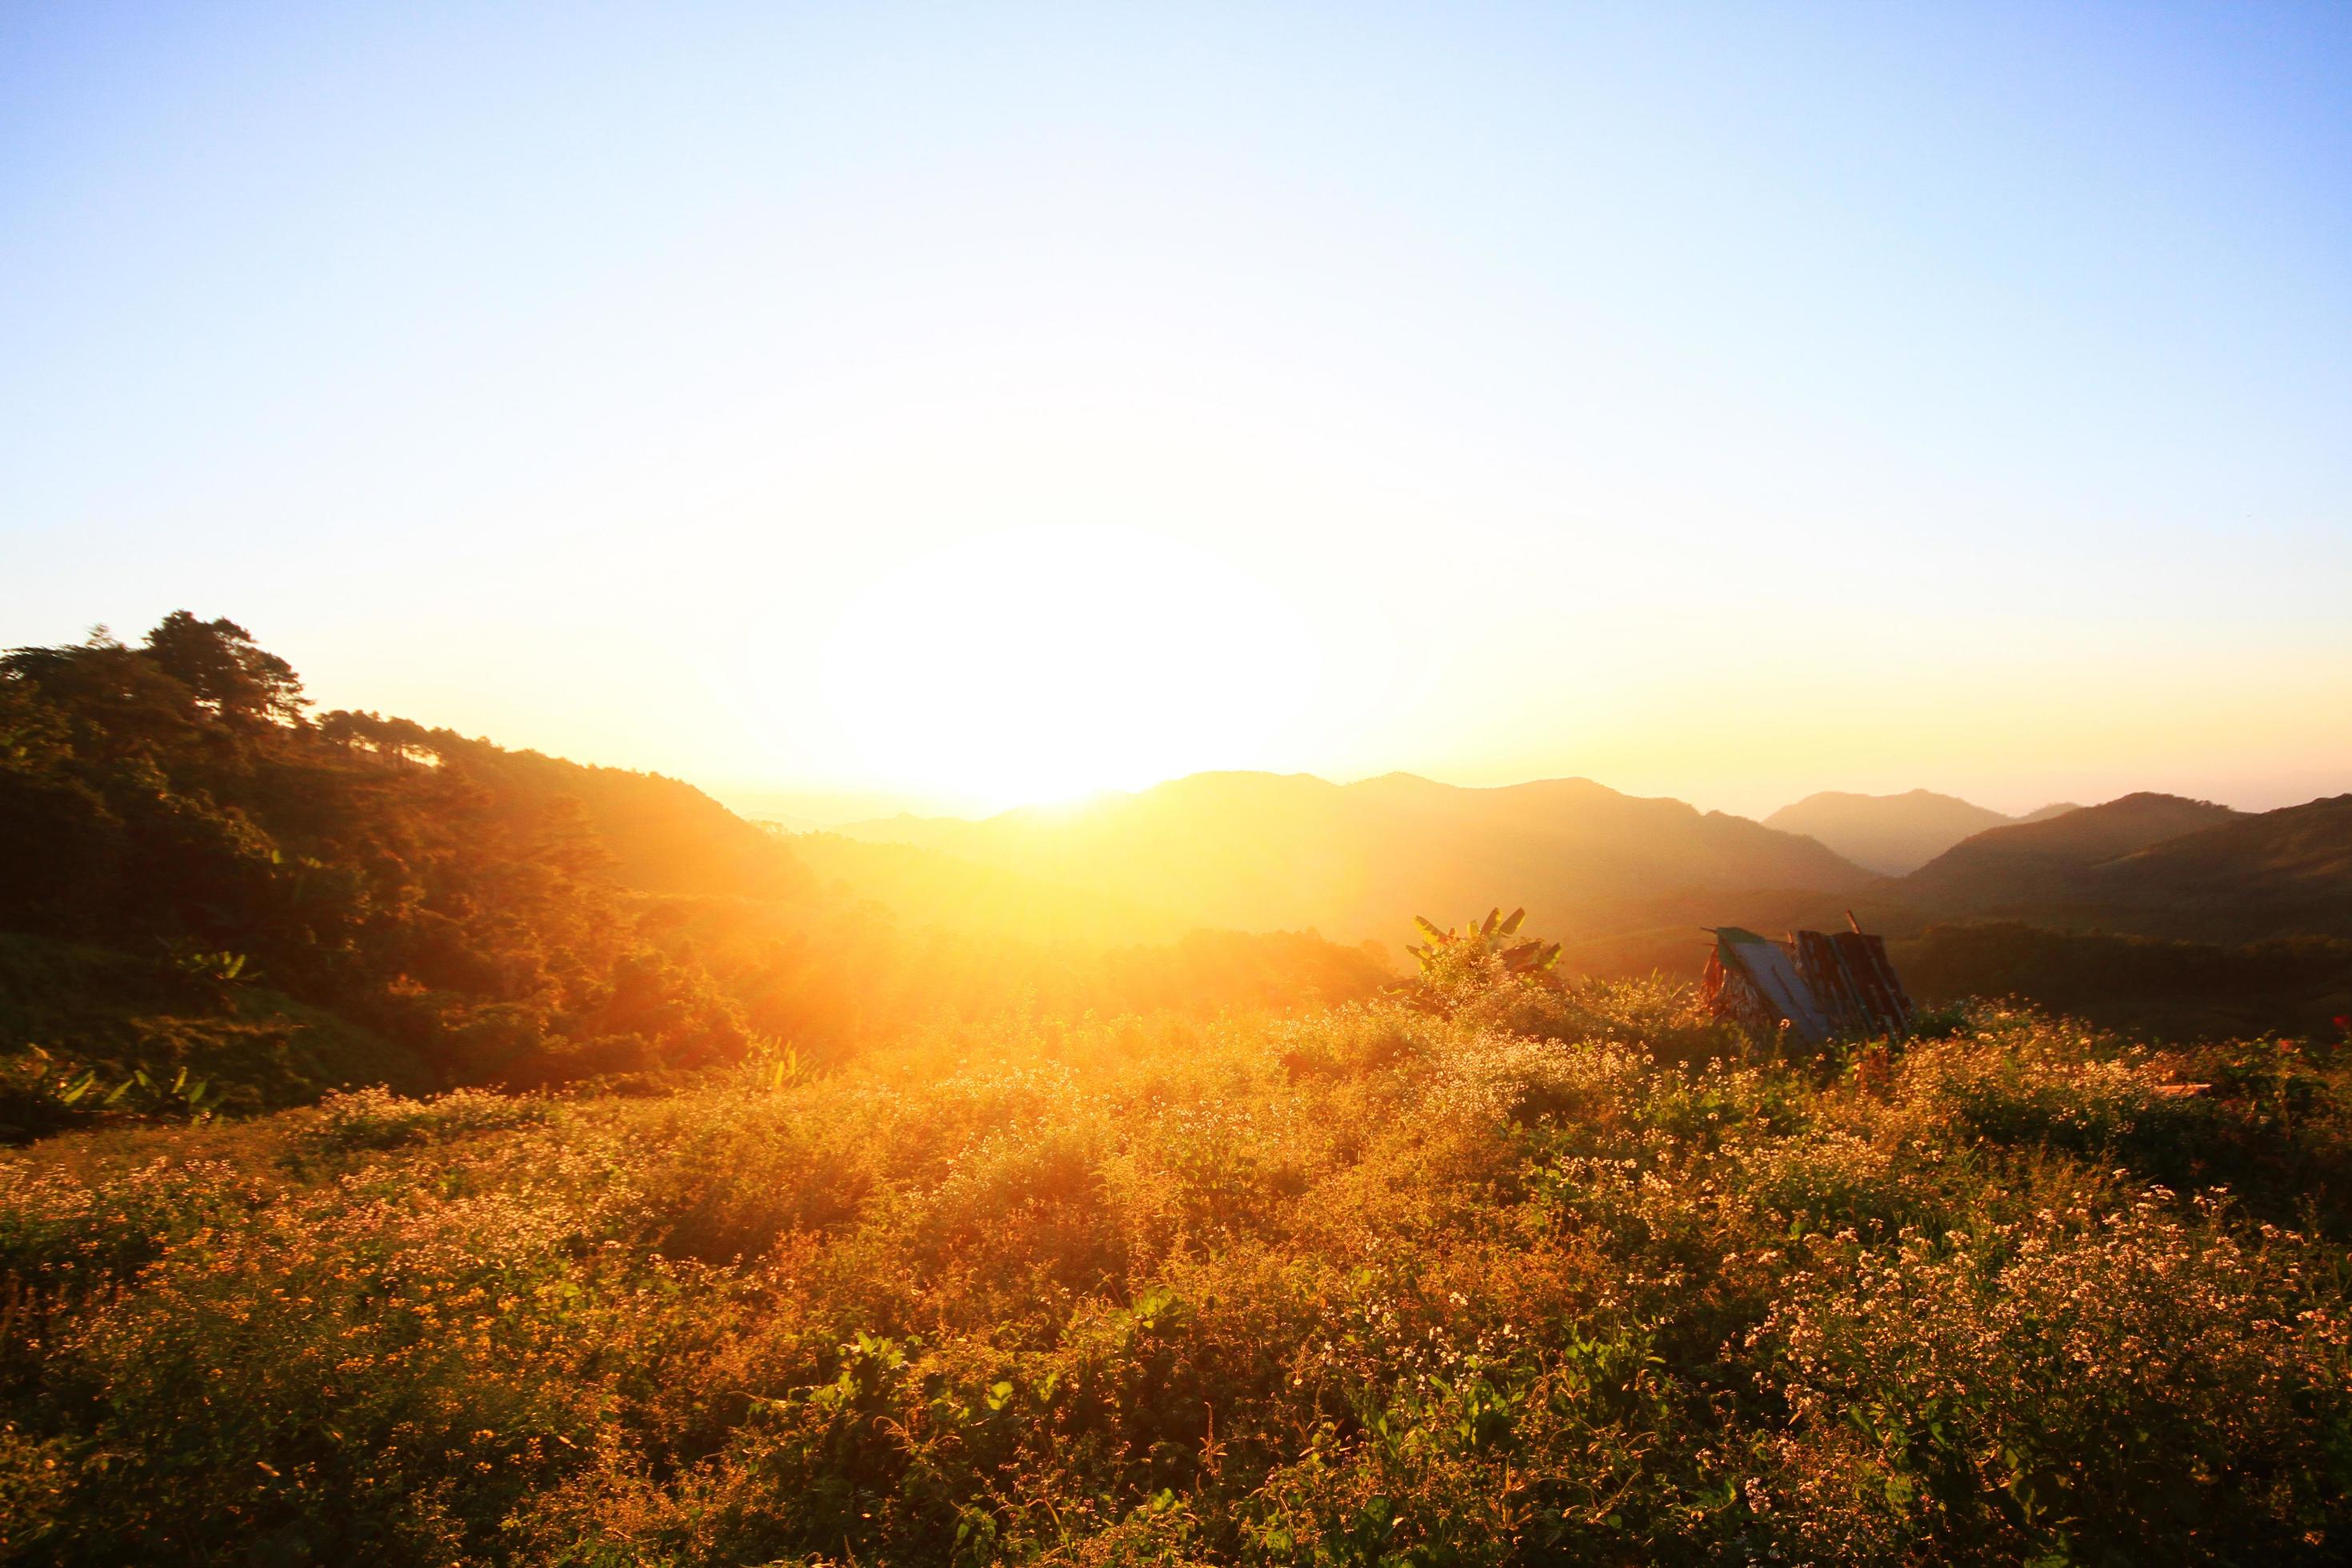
(1048, 663)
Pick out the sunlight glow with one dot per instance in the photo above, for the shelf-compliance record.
(1048, 663)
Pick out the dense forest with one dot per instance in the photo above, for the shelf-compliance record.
(214, 892)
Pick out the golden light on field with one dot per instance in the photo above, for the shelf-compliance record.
(1043, 664)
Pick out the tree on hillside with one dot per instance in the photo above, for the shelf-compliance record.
(230, 674)
(169, 803)
(108, 699)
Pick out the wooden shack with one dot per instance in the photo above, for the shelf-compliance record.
(1822, 985)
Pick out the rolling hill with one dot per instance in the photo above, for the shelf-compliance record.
(1887, 832)
(1259, 851)
(2042, 870)
(2152, 866)
(2280, 873)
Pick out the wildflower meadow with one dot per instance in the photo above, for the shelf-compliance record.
(1497, 1273)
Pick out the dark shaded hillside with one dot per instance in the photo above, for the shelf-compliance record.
(2280, 873)
(664, 835)
(2150, 986)
(2038, 868)
(1889, 834)
(1261, 850)
(2241, 926)
(2155, 865)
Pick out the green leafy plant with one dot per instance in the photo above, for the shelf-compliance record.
(1458, 964)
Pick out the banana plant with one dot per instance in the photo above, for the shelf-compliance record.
(1481, 939)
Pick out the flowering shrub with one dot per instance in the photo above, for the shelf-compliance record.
(2139, 1380)
(1527, 1279)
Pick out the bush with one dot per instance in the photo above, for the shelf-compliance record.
(1388, 1284)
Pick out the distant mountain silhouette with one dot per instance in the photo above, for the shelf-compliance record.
(1896, 834)
(2194, 884)
(1261, 851)
(1888, 833)
(2042, 870)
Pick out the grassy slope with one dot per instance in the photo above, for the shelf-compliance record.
(2156, 987)
(1371, 1286)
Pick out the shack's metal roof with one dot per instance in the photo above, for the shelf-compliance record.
(1767, 967)
(1824, 984)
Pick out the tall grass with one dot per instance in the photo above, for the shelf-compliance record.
(1531, 1278)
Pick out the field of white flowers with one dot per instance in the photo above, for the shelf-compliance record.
(1506, 1273)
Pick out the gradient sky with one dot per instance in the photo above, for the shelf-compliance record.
(851, 405)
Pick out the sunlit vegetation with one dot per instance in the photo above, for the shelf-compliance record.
(431, 1153)
(202, 878)
(1499, 1270)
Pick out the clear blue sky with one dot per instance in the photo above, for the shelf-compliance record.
(964, 403)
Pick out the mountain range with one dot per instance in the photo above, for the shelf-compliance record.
(2044, 867)
(1616, 875)
(1265, 851)
(2174, 917)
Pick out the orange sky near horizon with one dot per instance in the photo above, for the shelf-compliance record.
(1728, 405)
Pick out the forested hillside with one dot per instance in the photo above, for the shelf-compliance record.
(214, 896)
(2280, 873)
(171, 811)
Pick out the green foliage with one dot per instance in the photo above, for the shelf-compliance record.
(2154, 987)
(221, 667)
(1477, 959)
(926, 1247)
(200, 876)
(399, 880)
(1380, 1284)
